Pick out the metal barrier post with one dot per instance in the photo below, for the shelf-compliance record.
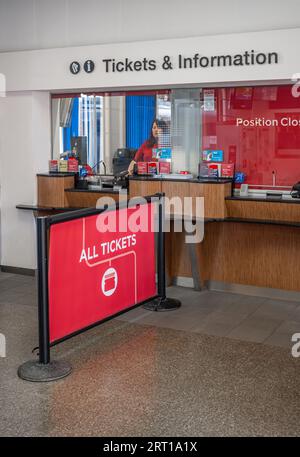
(42, 258)
(162, 303)
(44, 369)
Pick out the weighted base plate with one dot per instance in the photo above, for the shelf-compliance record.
(39, 372)
(163, 304)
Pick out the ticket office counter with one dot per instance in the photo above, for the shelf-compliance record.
(58, 191)
(247, 241)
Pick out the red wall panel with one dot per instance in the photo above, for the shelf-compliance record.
(264, 147)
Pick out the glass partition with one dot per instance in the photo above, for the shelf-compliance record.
(186, 130)
(255, 128)
(258, 129)
(97, 128)
(114, 127)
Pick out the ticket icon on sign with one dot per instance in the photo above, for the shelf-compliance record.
(109, 282)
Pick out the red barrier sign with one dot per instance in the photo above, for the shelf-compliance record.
(94, 275)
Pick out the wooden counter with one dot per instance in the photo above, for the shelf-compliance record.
(86, 199)
(246, 241)
(214, 193)
(58, 191)
(256, 245)
(139, 188)
(51, 189)
(264, 209)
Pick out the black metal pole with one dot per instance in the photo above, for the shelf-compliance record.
(43, 313)
(161, 286)
(162, 302)
(43, 370)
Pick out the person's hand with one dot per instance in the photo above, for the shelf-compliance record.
(131, 167)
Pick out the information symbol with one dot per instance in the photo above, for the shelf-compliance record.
(89, 66)
(75, 68)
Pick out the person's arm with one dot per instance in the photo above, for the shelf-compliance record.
(139, 155)
(131, 167)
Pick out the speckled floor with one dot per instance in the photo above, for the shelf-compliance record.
(133, 377)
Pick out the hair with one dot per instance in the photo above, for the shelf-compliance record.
(161, 125)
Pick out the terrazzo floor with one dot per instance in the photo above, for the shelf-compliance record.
(221, 365)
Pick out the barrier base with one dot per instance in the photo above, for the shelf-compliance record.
(162, 304)
(38, 372)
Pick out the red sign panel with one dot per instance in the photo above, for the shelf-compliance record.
(95, 274)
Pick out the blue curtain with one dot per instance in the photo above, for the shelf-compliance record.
(140, 113)
(68, 132)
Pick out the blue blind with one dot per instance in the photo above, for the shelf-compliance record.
(140, 113)
(68, 132)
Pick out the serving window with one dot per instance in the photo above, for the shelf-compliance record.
(258, 128)
(96, 126)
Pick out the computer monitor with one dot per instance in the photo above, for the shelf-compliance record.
(79, 147)
(122, 159)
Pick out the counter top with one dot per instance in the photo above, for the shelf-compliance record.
(57, 174)
(268, 199)
(206, 219)
(97, 191)
(260, 221)
(194, 180)
(44, 208)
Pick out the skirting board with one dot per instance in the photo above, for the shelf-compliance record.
(266, 292)
(17, 270)
(183, 281)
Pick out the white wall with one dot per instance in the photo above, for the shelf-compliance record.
(49, 69)
(24, 151)
(40, 24)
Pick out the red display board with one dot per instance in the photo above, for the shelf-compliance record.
(95, 275)
(258, 128)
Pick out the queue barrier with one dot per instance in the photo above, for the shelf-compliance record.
(87, 276)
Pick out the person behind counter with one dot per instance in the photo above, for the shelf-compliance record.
(145, 152)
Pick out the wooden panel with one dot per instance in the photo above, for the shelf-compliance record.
(253, 254)
(181, 265)
(176, 191)
(241, 253)
(86, 199)
(214, 198)
(143, 188)
(168, 262)
(51, 190)
(264, 210)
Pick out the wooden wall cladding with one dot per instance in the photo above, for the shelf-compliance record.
(214, 194)
(264, 210)
(180, 264)
(51, 190)
(261, 255)
(87, 199)
(214, 198)
(143, 188)
(254, 254)
(175, 190)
